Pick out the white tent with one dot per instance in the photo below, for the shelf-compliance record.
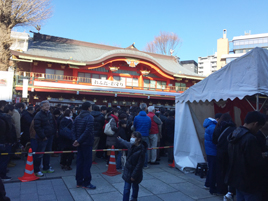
(245, 76)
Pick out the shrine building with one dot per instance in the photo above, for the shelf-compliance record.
(68, 71)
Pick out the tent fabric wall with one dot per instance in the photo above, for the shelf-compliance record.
(185, 135)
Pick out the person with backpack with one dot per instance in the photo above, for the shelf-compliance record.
(133, 173)
(66, 139)
(83, 130)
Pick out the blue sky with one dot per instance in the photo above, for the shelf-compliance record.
(199, 23)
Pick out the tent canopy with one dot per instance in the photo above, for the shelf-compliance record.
(245, 76)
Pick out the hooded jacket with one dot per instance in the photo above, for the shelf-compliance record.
(210, 124)
(134, 162)
(245, 161)
(99, 121)
(83, 128)
(142, 123)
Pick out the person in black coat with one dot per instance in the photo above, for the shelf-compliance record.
(121, 132)
(133, 174)
(170, 126)
(66, 140)
(245, 168)
(224, 127)
(99, 122)
(26, 120)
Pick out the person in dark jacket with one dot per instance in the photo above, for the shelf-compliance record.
(83, 130)
(121, 132)
(133, 173)
(26, 120)
(99, 121)
(245, 168)
(163, 140)
(224, 127)
(142, 123)
(111, 140)
(65, 140)
(211, 152)
(45, 128)
(170, 126)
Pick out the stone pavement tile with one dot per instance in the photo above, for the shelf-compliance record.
(43, 183)
(47, 197)
(156, 186)
(178, 196)
(65, 198)
(62, 192)
(113, 179)
(142, 191)
(151, 198)
(57, 182)
(102, 185)
(167, 177)
(196, 182)
(13, 190)
(152, 169)
(29, 197)
(28, 190)
(192, 190)
(46, 191)
(80, 194)
(69, 181)
(214, 198)
(147, 175)
(107, 196)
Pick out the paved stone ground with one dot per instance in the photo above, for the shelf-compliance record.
(160, 183)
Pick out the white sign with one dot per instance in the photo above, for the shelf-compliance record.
(25, 88)
(108, 83)
(6, 85)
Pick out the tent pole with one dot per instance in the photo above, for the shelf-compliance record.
(250, 104)
(257, 102)
(263, 103)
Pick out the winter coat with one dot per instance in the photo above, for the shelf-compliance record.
(83, 128)
(111, 140)
(64, 142)
(170, 126)
(99, 121)
(245, 161)
(26, 120)
(122, 133)
(262, 141)
(220, 135)
(155, 121)
(44, 125)
(142, 123)
(135, 161)
(163, 118)
(16, 122)
(6, 127)
(210, 148)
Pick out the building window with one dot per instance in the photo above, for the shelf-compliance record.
(180, 86)
(149, 84)
(54, 74)
(161, 85)
(132, 82)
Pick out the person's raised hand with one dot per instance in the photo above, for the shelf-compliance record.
(76, 144)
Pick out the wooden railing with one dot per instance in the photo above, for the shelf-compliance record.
(32, 76)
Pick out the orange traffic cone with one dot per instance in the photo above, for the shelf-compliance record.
(29, 169)
(172, 165)
(112, 165)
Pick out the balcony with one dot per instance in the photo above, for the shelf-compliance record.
(64, 81)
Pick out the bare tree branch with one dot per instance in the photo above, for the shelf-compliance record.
(19, 13)
(165, 43)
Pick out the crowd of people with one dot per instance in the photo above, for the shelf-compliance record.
(237, 157)
(86, 128)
